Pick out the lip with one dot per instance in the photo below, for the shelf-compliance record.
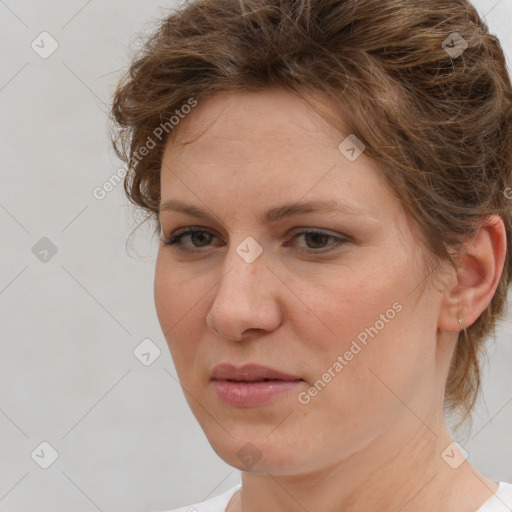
(243, 387)
(249, 372)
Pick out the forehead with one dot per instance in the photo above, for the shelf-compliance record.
(253, 114)
(256, 130)
(270, 146)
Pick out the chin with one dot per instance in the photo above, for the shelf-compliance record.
(259, 454)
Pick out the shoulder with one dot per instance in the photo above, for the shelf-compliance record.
(501, 501)
(215, 504)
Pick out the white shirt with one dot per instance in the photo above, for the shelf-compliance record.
(499, 502)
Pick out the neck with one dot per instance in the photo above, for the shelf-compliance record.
(401, 471)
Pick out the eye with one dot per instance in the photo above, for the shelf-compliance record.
(318, 240)
(197, 235)
(315, 239)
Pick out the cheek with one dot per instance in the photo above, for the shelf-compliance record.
(177, 303)
(367, 315)
(347, 302)
(394, 364)
(162, 295)
(177, 293)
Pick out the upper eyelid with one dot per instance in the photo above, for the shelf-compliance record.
(187, 230)
(177, 236)
(297, 230)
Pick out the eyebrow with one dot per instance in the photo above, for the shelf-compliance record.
(274, 214)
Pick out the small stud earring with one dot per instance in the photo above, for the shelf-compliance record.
(460, 323)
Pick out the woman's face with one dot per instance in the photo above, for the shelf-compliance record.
(346, 308)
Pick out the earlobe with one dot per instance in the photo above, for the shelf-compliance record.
(477, 277)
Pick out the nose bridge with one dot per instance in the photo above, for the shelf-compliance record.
(244, 298)
(246, 266)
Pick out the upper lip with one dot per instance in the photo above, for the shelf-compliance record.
(249, 372)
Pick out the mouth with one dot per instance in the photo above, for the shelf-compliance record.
(250, 373)
(252, 385)
(247, 394)
(256, 381)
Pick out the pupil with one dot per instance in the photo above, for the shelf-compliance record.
(201, 235)
(314, 236)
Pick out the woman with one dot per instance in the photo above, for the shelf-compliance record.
(329, 179)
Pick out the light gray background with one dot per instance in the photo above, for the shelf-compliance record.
(125, 438)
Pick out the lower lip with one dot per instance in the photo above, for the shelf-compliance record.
(240, 394)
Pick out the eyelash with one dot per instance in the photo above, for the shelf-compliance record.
(175, 242)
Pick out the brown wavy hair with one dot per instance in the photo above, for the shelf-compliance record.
(438, 124)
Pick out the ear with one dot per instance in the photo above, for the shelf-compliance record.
(473, 285)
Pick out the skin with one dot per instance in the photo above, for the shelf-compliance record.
(372, 438)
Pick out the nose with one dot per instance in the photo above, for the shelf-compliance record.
(247, 301)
